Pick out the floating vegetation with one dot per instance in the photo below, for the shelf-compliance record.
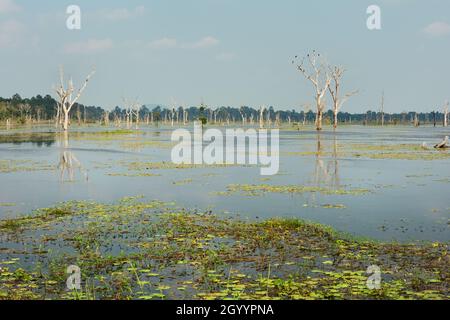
(10, 166)
(42, 138)
(334, 206)
(152, 250)
(386, 147)
(393, 151)
(118, 132)
(182, 182)
(387, 151)
(133, 175)
(137, 145)
(7, 204)
(406, 156)
(261, 189)
(137, 165)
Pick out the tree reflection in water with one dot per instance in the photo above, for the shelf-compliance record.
(68, 162)
(326, 169)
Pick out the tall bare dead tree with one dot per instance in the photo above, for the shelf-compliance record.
(66, 98)
(337, 74)
(314, 68)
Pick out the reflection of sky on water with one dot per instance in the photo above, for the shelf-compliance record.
(409, 199)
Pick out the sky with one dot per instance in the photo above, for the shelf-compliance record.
(228, 52)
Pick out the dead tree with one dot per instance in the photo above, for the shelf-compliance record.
(241, 111)
(135, 111)
(183, 115)
(131, 109)
(306, 109)
(25, 112)
(446, 114)
(262, 109)
(278, 119)
(416, 120)
(337, 73)
(58, 115)
(79, 115)
(443, 144)
(314, 68)
(66, 99)
(173, 115)
(106, 118)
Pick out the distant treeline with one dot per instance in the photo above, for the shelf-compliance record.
(44, 108)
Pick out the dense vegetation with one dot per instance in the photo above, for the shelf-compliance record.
(137, 249)
(43, 108)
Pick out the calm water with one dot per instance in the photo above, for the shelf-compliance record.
(409, 199)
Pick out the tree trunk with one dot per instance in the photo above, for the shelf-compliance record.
(66, 121)
(335, 119)
(319, 117)
(58, 116)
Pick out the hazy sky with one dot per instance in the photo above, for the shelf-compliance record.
(228, 52)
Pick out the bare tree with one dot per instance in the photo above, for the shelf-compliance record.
(25, 111)
(416, 120)
(243, 117)
(66, 99)
(278, 119)
(306, 109)
(382, 109)
(131, 109)
(446, 114)
(337, 73)
(58, 115)
(262, 109)
(314, 68)
(106, 117)
(79, 115)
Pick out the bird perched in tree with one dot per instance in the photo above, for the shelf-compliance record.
(443, 144)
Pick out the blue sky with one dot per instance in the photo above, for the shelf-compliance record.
(228, 52)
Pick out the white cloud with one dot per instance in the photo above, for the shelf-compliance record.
(11, 33)
(7, 6)
(225, 56)
(164, 43)
(88, 47)
(437, 29)
(123, 13)
(205, 42)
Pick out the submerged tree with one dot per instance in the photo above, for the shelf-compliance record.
(66, 98)
(446, 114)
(131, 109)
(262, 109)
(337, 73)
(314, 68)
